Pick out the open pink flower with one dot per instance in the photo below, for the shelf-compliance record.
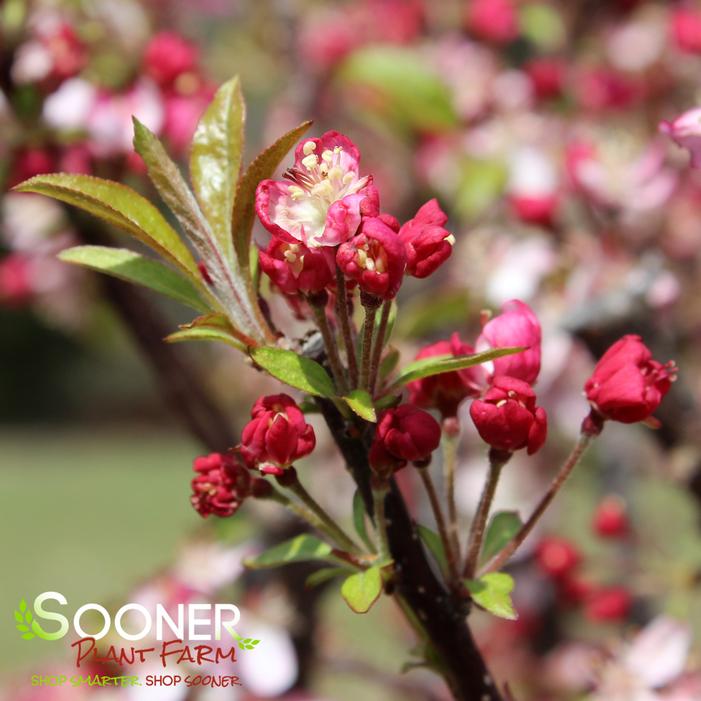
(685, 131)
(323, 197)
(517, 325)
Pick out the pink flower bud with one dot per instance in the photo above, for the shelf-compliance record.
(507, 418)
(168, 56)
(516, 326)
(221, 485)
(685, 131)
(608, 604)
(403, 434)
(277, 435)
(611, 518)
(445, 391)
(323, 198)
(30, 162)
(375, 259)
(557, 557)
(547, 76)
(16, 285)
(627, 385)
(535, 209)
(427, 243)
(685, 25)
(294, 268)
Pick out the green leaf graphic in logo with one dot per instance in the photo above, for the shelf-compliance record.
(244, 643)
(24, 620)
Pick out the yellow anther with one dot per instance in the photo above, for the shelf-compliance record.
(310, 162)
(327, 156)
(309, 147)
(450, 239)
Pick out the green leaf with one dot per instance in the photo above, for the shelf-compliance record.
(434, 544)
(360, 402)
(438, 364)
(493, 593)
(324, 575)
(363, 589)
(215, 159)
(231, 286)
(411, 94)
(389, 362)
(18, 617)
(543, 25)
(503, 526)
(28, 616)
(133, 267)
(424, 315)
(205, 333)
(22, 628)
(22, 605)
(120, 206)
(28, 636)
(359, 519)
(299, 549)
(261, 168)
(294, 370)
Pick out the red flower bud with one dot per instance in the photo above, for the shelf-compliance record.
(16, 283)
(686, 29)
(627, 385)
(507, 417)
(517, 325)
(294, 268)
(277, 435)
(493, 20)
(608, 604)
(403, 434)
(547, 76)
(557, 557)
(375, 259)
(221, 485)
(611, 519)
(539, 210)
(168, 56)
(427, 243)
(445, 391)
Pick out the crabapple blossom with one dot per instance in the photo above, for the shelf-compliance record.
(168, 56)
(375, 259)
(507, 417)
(277, 434)
(221, 485)
(294, 268)
(627, 384)
(323, 197)
(447, 390)
(557, 557)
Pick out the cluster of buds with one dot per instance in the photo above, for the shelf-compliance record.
(325, 216)
(504, 409)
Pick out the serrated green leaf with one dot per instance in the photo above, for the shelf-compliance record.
(359, 519)
(261, 168)
(120, 206)
(294, 370)
(215, 159)
(413, 95)
(133, 267)
(360, 402)
(438, 364)
(361, 590)
(434, 544)
(324, 575)
(493, 593)
(299, 549)
(502, 527)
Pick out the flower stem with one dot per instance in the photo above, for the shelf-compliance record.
(558, 481)
(331, 346)
(336, 532)
(370, 305)
(378, 497)
(440, 522)
(450, 456)
(497, 460)
(379, 344)
(344, 318)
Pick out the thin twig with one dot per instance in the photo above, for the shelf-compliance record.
(450, 455)
(479, 523)
(366, 341)
(334, 358)
(558, 481)
(344, 318)
(379, 345)
(440, 522)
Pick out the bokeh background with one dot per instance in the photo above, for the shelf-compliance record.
(535, 124)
